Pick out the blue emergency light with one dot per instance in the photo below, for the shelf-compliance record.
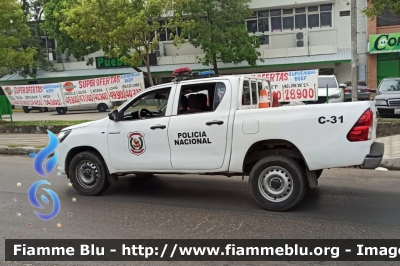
(207, 73)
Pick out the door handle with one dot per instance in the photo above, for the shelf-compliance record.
(214, 122)
(158, 126)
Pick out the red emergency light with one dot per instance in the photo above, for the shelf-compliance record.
(181, 71)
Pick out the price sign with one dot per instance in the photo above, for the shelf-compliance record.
(292, 85)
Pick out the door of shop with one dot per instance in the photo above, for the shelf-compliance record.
(388, 66)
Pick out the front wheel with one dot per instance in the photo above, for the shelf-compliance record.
(102, 107)
(88, 174)
(277, 183)
(61, 110)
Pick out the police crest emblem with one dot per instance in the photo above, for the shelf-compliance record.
(136, 143)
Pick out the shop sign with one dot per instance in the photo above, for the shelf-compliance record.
(384, 43)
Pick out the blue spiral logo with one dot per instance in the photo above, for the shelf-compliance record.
(32, 198)
(44, 169)
(44, 153)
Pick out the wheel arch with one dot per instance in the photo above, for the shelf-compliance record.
(76, 150)
(268, 147)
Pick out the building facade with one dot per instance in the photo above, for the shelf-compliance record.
(384, 48)
(294, 36)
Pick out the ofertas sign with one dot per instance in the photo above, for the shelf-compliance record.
(292, 85)
(103, 90)
(46, 95)
(384, 43)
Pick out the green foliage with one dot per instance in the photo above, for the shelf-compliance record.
(125, 28)
(33, 15)
(219, 29)
(378, 6)
(13, 30)
(65, 44)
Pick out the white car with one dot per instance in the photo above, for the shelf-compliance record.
(334, 91)
(282, 149)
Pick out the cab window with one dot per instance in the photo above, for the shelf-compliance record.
(150, 105)
(200, 98)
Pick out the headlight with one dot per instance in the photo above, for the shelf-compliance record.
(335, 96)
(380, 102)
(63, 135)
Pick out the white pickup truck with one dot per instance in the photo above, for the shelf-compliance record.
(214, 126)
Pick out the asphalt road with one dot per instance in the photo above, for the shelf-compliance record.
(349, 203)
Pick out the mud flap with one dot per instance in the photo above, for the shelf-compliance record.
(312, 179)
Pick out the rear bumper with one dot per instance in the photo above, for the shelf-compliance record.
(374, 158)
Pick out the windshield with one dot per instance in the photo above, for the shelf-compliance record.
(330, 81)
(390, 85)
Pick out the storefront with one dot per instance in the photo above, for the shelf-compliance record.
(384, 57)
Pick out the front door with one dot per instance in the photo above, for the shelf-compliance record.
(198, 131)
(140, 141)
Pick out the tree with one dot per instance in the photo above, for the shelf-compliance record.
(220, 30)
(65, 44)
(33, 13)
(378, 6)
(13, 29)
(125, 28)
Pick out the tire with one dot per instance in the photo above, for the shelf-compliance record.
(319, 173)
(102, 107)
(97, 180)
(283, 171)
(26, 111)
(61, 110)
(46, 109)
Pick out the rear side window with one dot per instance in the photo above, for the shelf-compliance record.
(330, 81)
(220, 90)
(246, 93)
(253, 93)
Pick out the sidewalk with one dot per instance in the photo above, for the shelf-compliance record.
(391, 158)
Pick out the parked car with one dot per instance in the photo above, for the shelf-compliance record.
(335, 93)
(387, 98)
(364, 93)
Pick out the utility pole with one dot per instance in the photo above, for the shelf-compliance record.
(354, 59)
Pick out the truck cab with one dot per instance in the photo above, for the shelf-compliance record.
(215, 126)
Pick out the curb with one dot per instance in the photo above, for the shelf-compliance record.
(4, 150)
(391, 164)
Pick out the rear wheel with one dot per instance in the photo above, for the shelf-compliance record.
(102, 107)
(61, 110)
(26, 110)
(88, 174)
(277, 183)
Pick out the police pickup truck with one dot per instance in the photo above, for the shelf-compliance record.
(214, 126)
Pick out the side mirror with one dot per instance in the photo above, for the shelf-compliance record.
(113, 116)
(342, 86)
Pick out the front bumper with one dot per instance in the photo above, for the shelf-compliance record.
(375, 156)
(386, 110)
(364, 96)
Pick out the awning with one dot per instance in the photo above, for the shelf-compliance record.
(343, 55)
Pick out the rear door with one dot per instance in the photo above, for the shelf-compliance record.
(198, 138)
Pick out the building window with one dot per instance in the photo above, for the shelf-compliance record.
(326, 15)
(301, 18)
(263, 21)
(264, 39)
(387, 19)
(278, 20)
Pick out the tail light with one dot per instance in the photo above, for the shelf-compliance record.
(368, 90)
(362, 130)
(346, 90)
